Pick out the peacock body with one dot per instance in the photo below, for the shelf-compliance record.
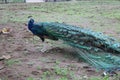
(39, 30)
(94, 48)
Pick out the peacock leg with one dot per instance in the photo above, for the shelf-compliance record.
(46, 46)
(33, 39)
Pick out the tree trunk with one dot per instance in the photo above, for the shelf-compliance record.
(24, 1)
(6, 1)
(55, 0)
(46, 0)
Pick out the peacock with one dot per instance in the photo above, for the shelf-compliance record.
(39, 30)
(97, 49)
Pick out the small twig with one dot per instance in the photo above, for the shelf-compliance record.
(1, 58)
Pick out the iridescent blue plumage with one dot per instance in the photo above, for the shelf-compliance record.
(38, 30)
(94, 48)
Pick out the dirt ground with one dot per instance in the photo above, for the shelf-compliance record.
(27, 56)
(31, 58)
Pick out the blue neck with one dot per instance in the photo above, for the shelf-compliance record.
(30, 25)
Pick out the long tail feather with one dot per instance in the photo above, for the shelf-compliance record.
(98, 49)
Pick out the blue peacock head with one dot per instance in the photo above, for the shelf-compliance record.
(30, 20)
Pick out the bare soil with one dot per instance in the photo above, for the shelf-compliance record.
(30, 57)
(27, 54)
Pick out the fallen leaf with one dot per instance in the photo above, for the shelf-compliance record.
(6, 56)
(6, 30)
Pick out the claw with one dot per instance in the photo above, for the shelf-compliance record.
(109, 73)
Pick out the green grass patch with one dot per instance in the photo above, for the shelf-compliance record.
(12, 62)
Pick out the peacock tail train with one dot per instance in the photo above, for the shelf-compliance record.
(97, 49)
